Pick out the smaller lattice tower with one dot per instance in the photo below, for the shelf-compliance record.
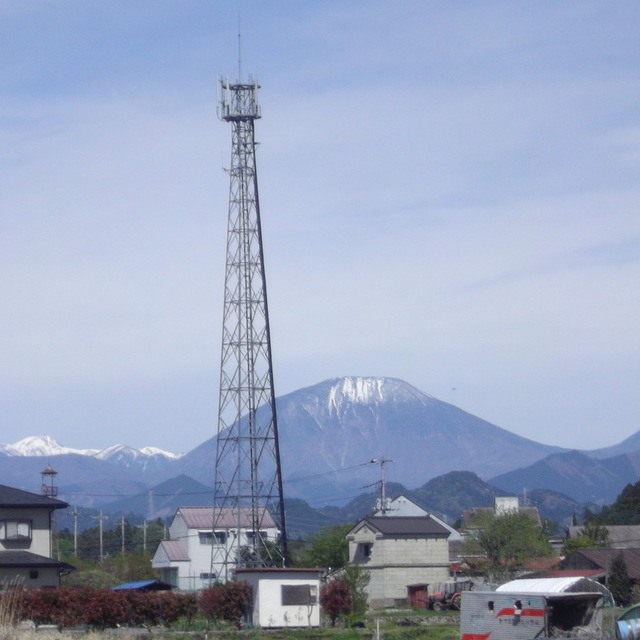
(248, 515)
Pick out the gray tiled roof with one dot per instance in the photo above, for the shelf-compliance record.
(226, 517)
(408, 526)
(174, 550)
(12, 497)
(28, 559)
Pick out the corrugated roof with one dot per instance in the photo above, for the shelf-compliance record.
(408, 526)
(225, 517)
(12, 497)
(540, 585)
(174, 550)
(602, 559)
(574, 584)
(620, 536)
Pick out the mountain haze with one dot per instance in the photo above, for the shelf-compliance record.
(329, 435)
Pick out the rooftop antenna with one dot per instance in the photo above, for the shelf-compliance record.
(239, 50)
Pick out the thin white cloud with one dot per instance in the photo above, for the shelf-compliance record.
(449, 196)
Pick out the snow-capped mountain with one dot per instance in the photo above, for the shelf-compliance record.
(46, 446)
(329, 435)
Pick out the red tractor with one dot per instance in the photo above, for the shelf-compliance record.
(447, 594)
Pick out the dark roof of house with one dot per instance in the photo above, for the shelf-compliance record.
(602, 559)
(32, 560)
(12, 497)
(620, 536)
(407, 526)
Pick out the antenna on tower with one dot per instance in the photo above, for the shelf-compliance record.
(248, 523)
(239, 49)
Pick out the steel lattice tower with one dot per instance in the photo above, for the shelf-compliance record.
(248, 480)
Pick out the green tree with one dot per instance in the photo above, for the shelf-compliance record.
(626, 508)
(506, 542)
(572, 545)
(620, 583)
(328, 549)
(595, 533)
(356, 578)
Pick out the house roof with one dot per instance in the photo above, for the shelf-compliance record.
(225, 517)
(174, 550)
(284, 570)
(407, 526)
(9, 559)
(12, 497)
(602, 559)
(620, 536)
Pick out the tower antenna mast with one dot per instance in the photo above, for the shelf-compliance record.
(248, 505)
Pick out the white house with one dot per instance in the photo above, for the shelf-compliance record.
(185, 560)
(399, 551)
(284, 597)
(25, 539)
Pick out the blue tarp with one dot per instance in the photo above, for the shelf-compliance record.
(144, 585)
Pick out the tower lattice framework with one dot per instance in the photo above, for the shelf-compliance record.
(248, 497)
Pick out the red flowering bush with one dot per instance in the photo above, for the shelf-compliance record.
(335, 600)
(104, 608)
(230, 602)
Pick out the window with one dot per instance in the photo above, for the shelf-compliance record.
(206, 537)
(208, 576)
(365, 549)
(298, 594)
(15, 530)
(260, 534)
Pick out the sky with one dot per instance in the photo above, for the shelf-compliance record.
(449, 192)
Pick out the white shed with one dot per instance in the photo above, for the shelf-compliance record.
(283, 597)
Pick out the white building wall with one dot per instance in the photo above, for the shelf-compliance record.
(194, 574)
(268, 610)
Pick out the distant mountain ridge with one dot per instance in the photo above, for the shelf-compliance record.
(46, 446)
(329, 433)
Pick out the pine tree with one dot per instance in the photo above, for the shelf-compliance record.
(619, 581)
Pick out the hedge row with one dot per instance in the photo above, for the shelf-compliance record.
(104, 608)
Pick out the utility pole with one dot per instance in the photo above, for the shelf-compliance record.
(383, 501)
(144, 536)
(101, 528)
(74, 514)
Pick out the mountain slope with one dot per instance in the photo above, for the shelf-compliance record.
(330, 431)
(574, 474)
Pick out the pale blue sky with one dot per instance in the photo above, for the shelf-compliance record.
(449, 193)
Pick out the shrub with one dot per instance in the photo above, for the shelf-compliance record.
(230, 602)
(335, 600)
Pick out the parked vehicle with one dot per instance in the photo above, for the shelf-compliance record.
(447, 594)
